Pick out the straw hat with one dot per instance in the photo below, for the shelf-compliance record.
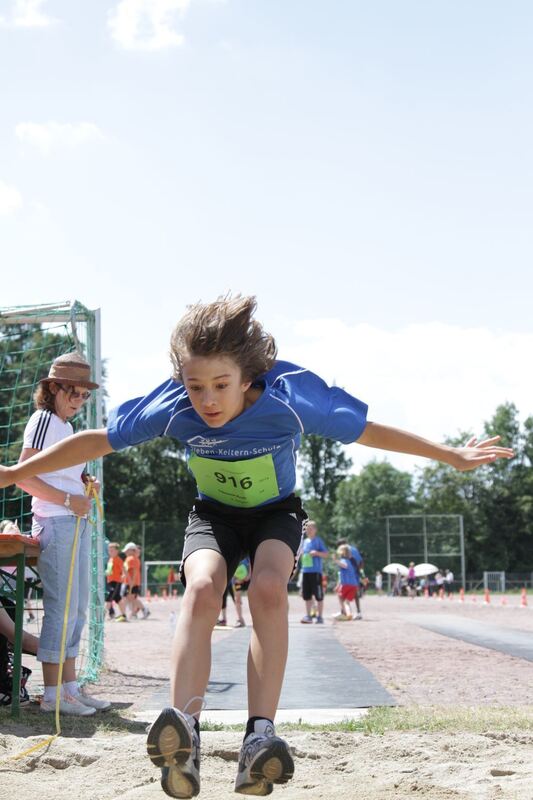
(71, 369)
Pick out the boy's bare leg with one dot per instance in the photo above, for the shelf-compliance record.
(267, 600)
(206, 576)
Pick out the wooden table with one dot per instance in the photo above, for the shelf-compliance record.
(17, 550)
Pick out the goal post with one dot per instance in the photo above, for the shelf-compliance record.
(434, 538)
(31, 337)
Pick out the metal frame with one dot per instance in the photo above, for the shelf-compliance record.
(71, 312)
(151, 564)
(424, 533)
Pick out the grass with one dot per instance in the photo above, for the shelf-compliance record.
(378, 721)
(429, 719)
(33, 723)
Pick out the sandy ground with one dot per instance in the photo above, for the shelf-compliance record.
(418, 667)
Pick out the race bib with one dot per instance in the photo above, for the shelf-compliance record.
(307, 560)
(244, 484)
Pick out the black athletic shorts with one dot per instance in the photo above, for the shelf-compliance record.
(238, 532)
(312, 586)
(113, 592)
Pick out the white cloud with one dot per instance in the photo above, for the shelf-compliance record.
(432, 379)
(52, 136)
(147, 24)
(10, 199)
(27, 14)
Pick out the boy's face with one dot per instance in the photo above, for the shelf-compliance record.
(311, 531)
(112, 551)
(215, 388)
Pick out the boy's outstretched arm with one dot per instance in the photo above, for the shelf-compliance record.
(76, 449)
(472, 455)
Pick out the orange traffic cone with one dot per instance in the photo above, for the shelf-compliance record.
(462, 594)
(148, 596)
(486, 600)
(523, 598)
(426, 592)
(441, 593)
(504, 600)
(474, 598)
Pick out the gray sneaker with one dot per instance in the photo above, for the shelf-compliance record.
(264, 759)
(68, 705)
(174, 745)
(93, 702)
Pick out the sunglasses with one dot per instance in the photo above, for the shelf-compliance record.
(74, 394)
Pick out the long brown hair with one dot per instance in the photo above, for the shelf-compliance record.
(44, 397)
(224, 328)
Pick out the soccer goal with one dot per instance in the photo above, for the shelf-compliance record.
(434, 538)
(31, 337)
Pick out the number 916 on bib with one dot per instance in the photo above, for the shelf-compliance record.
(244, 484)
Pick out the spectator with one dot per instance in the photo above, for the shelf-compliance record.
(313, 552)
(59, 507)
(132, 572)
(114, 572)
(348, 584)
(448, 580)
(378, 582)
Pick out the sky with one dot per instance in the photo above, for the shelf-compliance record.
(365, 169)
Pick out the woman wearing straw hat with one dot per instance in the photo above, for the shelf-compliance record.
(58, 501)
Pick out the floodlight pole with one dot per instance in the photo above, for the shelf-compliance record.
(462, 541)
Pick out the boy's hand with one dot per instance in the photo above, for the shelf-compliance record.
(475, 454)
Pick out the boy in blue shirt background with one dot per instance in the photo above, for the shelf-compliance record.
(311, 560)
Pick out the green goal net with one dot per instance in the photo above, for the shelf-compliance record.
(31, 337)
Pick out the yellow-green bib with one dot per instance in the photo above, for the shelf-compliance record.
(244, 484)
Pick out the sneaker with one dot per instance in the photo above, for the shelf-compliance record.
(358, 616)
(340, 617)
(221, 623)
(319, 620)
(174, 745)
(121, 618)
(264, 759)
(240, 624)
(68, 705)
(145, 613)
(307, 620)
(93, 702)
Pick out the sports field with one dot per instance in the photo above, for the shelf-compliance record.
(462, 726)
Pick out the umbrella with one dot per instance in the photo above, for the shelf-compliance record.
(392, 569)
(421, 570)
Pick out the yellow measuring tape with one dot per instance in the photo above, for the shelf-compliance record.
(90, 491)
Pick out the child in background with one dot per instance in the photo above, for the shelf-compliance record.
(241, 581)
(132, 572)
(113, 579)
(348, 584)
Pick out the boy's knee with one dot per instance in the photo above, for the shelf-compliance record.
(203, 595)
(268, 589)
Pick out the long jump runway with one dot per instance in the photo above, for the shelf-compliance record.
(510, 641)
(320, 674)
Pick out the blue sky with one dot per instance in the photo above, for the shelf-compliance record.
(364, 168)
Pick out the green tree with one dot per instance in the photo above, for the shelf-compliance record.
(362, 503)
(149, 483)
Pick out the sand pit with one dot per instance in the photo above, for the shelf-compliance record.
(105, 759)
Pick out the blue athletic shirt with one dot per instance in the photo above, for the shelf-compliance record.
(347, 574)
(308, 545)
(294, 401)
